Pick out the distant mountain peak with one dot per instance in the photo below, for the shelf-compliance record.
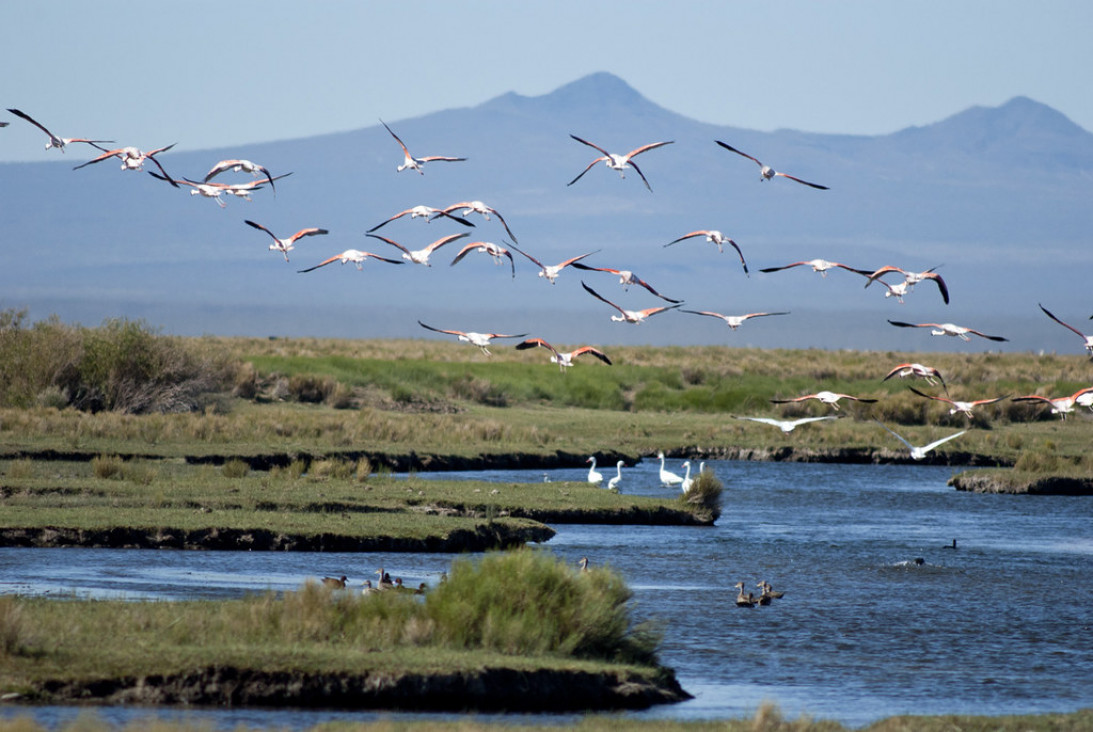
(598, 90)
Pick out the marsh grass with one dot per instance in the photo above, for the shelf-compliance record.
(704, 497)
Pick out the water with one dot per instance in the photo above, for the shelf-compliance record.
(1002, 624)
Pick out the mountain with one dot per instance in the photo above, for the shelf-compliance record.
(997, 198)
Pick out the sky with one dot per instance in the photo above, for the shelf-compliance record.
(214, 74)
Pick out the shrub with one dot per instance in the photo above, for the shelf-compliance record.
(106, 466)
(235, 468)
(14, 638)
(705, 496)
(21, 469)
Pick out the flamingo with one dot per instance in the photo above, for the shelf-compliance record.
(628, 316)
(918, 453)
(477, 207)
(237, 166)
(1087, 338)
(486, 247)
(818, 265)
(898, 290)
(594, 477)
(827, 397)
(766, 172)
(613, 484)
(948, 329)
(626, 278)
(788, 425)
(688, 481)
(929, 373)
(733, 321)
(240, 190)
(551, 272)
(420, 256)
(667, 477)
(910, 279)
(619, 162)
(716, 237)
(284, 246)
(133, 159)
(743, 600)
(564, 360)
(420, 212)
(1062, 405)
(196, 189)
(958, 406)
(412, 163)
(54, 141)
(482, 340)
(355, 256)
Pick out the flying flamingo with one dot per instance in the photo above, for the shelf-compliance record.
(917, 453)
(948, 329)
(619, 162)
(482, 340)
(766, 172)
(412, 163)
(964, 408)
(133, 159)
(910, 279)
(1087, 338)
(1059, 405)
(420, 212)
(54, 141)
(355, 256)
(788, 425)
(420, 256)
(237, 166)
(733, 321)
(827, 397)
(594, 477)
(239, 190)
(207, 190)
(477, 207)
(628, 316)
(284, 246)
(929, 373)
(716, 237)
(626, 278)
(564, 360)
(667, 477)
(818, 265)
(486, 247)
(551, 272)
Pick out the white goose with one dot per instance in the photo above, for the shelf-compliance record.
(613, 484)
(618, 162)
(688, 482)
(594, 477)
(667, 477)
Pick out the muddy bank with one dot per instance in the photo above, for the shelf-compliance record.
(1021, 483)
(482, 538)
(492, 690)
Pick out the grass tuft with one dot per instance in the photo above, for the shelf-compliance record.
(705, 496)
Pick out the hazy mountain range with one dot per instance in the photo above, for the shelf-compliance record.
(999, 199)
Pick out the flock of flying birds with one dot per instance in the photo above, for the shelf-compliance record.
(133, 159)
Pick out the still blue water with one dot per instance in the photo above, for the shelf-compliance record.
(1002, 624)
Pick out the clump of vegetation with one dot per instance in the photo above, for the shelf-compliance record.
(14, 628)
(705, 496)
(235, 468)
(107, 466)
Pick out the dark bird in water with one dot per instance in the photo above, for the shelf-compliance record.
(336, 584)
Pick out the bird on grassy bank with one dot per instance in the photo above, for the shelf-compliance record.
(420, 256)
(626, 278)
(1060, 405)
(715, 237)
(827, 397)
(477, 207)
(618, 162)
(286, 245)
(688, 481)
(788, 425)
(959, 406)
(54, 140)
(766, 172)
(910, 279)
(948, 329)
(335, 583)
(733, 321)
(486, 247)
(594, 476)
(628, 316)
(551, 272)
(355, 256)
(743, 600)
(929, 373)
(240, 166)
(410, 162)
(482, 340)
(368, 589)
(613, 484)
(420, 212)
(1088, 339)
(918, 453)
(668, 479)
(564, 360)
(818, 265)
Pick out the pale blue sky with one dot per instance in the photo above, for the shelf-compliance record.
(212, 74)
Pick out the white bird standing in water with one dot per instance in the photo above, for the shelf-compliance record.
(688, 481)
(613, 484)
(918, 453)
(667, 477)
(619, 162)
